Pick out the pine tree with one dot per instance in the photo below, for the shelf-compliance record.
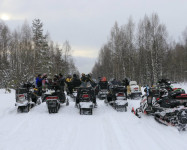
(41, 48)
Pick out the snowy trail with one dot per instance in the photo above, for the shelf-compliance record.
(106, 129)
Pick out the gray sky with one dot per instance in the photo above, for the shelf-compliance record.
(86, 24)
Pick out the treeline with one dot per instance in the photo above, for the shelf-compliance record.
(142, 53)
(28, 51)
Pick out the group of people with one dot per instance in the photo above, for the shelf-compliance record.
(60, 82)
(71, 82)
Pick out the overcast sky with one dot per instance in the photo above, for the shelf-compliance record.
(86, 24)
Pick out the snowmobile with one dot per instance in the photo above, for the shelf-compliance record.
(53, 98)
(180, 96)
(177, 94)
(85, 100)
(117, 99)
(103, 90)
(53, 104)
(150, 103)
(102, 94)
(134, 90)
(164, 109)
(26, 97)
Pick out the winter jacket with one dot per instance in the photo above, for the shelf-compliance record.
(84, 79)
(45, 83)
(38, 82)
(103, 84)
(68, 80)
(62, 81)
(76, 82)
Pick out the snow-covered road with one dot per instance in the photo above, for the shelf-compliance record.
(106, 129)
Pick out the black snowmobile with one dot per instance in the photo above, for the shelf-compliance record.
(117, 98)
(26, 97)
(165, 109)
(102, 90)
(179, 95)
(53, 98)
(85, 100)
(176, 94)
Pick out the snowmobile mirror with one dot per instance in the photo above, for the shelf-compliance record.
(149, 100)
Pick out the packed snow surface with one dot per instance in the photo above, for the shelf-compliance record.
(106, 129)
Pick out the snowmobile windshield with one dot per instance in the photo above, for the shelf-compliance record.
(133, 83)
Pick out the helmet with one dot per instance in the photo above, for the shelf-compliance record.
(103, 79)
(44, 75)
(74, 75)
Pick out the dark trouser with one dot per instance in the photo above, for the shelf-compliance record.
(70, 88)
(40, 91)
(61, 88)
(109, 97)
(126, 93)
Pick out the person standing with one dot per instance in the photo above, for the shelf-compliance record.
(44, 82)
(68, 82)
(39, 84)
(39, 81)
(61, 82)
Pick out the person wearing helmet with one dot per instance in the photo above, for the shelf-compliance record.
(89, 79)
(103, 83)
(68, 83)
(83, 80)
(76, 82)
(125, 82)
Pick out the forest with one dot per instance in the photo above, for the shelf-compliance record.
(28, 51)
(142, 52)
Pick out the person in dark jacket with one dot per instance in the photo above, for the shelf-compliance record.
(61, 82)
(75, 81)
(114, 82)
(39, 81)
(84, 80)
(103, 83)
(125, 82)
(39, 84)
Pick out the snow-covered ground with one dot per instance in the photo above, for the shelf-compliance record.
(106, 129)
